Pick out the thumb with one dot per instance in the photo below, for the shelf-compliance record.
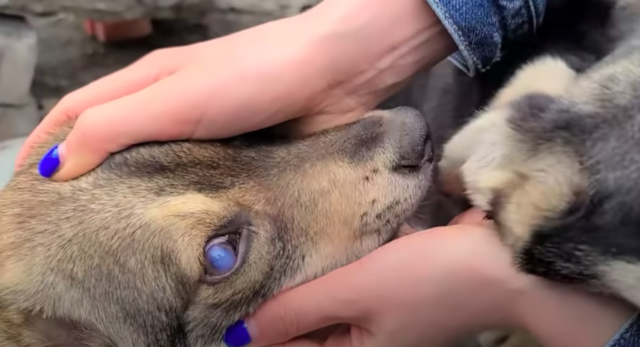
(115, 125)
(320, 303)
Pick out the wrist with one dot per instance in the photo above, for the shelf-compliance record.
(559, 315)
(372, 47)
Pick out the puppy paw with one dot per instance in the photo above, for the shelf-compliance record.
(518, 179)
(507, 338)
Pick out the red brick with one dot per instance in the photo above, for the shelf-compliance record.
(118, 30)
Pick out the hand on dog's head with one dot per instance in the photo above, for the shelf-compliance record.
(168, 244)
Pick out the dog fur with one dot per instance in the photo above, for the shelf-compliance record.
(78, 259)
(552, 158)
(115, 257)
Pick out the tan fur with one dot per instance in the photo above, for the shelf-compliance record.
(115, 258)
(491, 163)
(624, 278)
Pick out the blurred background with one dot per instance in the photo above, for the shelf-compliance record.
(51, 47)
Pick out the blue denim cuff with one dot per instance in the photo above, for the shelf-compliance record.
(482, 28)
(628, 335)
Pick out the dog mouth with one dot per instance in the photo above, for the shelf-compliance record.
(418, 219)
(421, 216)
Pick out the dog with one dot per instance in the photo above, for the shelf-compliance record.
(551, 158)
(123, 256)
(167, 244)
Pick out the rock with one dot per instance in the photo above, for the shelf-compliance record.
(8, 154)
(118, 31)
(19, 120)
(278, 8)
(220, 23)
(18, 59)
(110, 9)
(19, 113)
(105, 10)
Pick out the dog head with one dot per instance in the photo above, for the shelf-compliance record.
(168, 244)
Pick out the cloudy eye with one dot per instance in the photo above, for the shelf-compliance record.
(225, 254)
(221, 254)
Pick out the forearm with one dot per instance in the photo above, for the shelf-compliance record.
(362, 51)
(381, 43)
(559, 316)
(399, 37)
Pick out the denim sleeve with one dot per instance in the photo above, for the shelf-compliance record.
(628, 335)
(481, 28)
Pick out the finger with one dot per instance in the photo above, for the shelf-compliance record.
(128, 80)
(341, 338)
(304, 126)
(471, 216)
(298, 343)
(309, 307)
(103, 90)
(136, 118)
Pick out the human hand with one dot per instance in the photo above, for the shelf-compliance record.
(430, 287)
(322, 64)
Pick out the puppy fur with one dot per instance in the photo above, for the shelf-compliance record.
(553, 159)
(115, 257)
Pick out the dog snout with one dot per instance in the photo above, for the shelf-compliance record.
(413, 135)
(398, 137)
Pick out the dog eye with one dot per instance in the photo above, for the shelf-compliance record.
(221, 255)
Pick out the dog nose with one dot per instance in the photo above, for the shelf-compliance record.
(414, 138)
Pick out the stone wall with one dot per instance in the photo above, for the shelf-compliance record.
(18, 56)
(273, 7)
(166, 9)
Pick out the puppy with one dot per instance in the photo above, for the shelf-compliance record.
(168, 244)
(552, 158)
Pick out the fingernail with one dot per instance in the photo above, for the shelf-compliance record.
(49, 162)
(237, 335)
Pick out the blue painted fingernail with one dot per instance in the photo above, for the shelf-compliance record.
(237, 335)
(49, 162)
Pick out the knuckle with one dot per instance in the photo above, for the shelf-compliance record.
(288, 321)
(86, 122)
(69, 100)
(155, 56)
(85, 128)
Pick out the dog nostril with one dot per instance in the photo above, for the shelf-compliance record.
(417, 151)
(411, 136)
(430, 155)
